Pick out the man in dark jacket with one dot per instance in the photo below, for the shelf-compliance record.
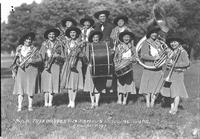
(103, 25)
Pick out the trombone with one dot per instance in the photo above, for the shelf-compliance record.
(166, 82)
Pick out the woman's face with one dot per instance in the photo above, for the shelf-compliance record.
(174, 44)
(95, 38)
(87, 24)
(68, 24)
(153, 35)
(120, 22)
(51, 36)
(126, 38)
(27, 41)
(102, 18)
(73, 34)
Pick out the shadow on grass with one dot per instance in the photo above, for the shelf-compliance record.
(62, 98)
(166, 102)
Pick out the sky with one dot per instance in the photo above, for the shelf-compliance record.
(6, 6)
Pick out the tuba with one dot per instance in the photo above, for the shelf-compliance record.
(162, 48)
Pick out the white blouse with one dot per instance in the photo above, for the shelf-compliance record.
(25, 51)
(127, 54)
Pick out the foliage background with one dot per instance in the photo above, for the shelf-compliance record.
(183, 17)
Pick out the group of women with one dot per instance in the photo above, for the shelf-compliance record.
(64, 62)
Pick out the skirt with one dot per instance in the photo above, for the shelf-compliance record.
(151, 81)
(50, 80)
(26, 81)
(125, 83)
(177, 87)
(73, 80)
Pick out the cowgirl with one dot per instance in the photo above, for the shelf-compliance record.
(177, 88)
(120, 22)
(53, 56)
(87, 22)
(26, 77)
(73, 77)
(98, 85)
(151, 79)
(124, 51)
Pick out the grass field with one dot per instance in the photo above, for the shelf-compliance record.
(108, 121)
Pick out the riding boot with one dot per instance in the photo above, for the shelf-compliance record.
(46, 99)
(50, 99)
(30, 103)
(20, 99)
(119, 101)
(125, 97)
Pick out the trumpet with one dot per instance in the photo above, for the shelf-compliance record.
(51, 59)
(74, 54)
(24, 63)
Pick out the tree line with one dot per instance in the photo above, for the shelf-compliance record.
(183, 16)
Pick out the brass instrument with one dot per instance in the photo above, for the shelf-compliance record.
(74, 55)
(163, 52)
(166, 82)
(24, 63)
(159, 17)
(162, 48)
(60, 28)
(51, 59)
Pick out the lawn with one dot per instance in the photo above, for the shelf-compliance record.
(108, 121)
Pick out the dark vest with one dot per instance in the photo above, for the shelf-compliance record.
(106, 31)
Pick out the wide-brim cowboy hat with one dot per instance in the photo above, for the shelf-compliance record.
(95, 32)
(23, 38)
(63, 22)
(152, 30)
(125, 18)
(56, 31)
(174, 38)
(126, 32)
(96, 15)
(87, 18)
(77, 30)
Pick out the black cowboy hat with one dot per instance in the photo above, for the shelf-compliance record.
(95, 32)
(87, 18)
(23, 38)
(152, 30)
(125, 18)
(67, 32)
(63, 22)
(174, 38)
(126, 32)
(96, 15)
(56, 31)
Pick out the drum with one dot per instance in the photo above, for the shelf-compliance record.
(101, 59)
(123, 68)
